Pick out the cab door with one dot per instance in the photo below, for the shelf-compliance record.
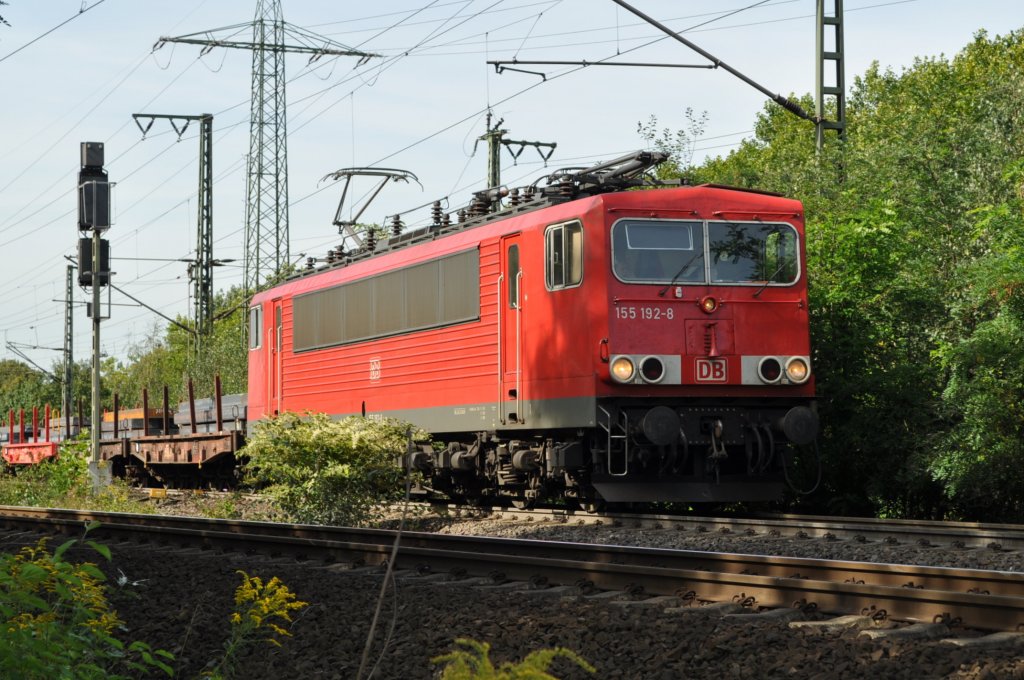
(275, 357)
(510, 331)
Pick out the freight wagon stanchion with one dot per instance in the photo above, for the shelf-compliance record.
(145, 412)
(166, 424)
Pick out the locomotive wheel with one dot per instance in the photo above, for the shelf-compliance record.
(592, 505)
(524, 503)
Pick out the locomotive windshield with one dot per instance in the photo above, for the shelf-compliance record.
(655, 251)
(676, 251)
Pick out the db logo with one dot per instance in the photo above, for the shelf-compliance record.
(374, 369)
(711, 370)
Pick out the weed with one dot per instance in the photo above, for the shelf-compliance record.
(474, 663)
(55, 621)
(260, 608)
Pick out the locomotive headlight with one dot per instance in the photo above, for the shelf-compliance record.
(708, 304)
(769, 370)
(797, 370)
(623, 369)
(652, 369)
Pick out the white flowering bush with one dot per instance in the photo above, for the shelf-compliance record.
(325, 471)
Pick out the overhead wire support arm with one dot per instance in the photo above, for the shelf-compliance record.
(13, 348)
(501, 65)
(156, 311)
(499, 69)
(784, 102)
(201, 273)
(550, 146)
(173, 118)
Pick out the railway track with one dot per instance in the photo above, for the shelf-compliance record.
(862, 529)
(980, 599)
(924, 533)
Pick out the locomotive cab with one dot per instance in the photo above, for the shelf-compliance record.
(708, 359)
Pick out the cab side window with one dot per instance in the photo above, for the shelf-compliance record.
(513, 276)
(255, 327)
(563, 255)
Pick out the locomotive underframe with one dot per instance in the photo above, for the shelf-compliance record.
(640, 451)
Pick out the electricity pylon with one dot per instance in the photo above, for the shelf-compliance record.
(266, 213)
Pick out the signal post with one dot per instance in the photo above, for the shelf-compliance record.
(94, 270)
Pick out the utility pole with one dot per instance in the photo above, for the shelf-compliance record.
(495, 138)
(266, 214)
(200, 271)
(67, 394)
(94, 215)
(836, 57)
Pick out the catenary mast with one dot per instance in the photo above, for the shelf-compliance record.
(266, 213)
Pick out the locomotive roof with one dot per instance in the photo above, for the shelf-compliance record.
(563, 186)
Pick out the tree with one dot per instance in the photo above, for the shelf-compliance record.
(914, 249)
(681, 144)
(22, 387)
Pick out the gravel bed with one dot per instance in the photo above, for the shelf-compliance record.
(182, 601)
(185, 601)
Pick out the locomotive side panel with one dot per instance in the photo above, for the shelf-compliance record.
(258, 366)
(443, 377)
(564, 263)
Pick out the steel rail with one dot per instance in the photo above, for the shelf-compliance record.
(924, 532)
(905, 592)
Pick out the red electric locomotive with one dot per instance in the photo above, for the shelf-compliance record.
(586, 341)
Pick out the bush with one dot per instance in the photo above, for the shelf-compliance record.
(64, 482)
(475, 663)
(260, 609)
(327, 471)
(57, 623)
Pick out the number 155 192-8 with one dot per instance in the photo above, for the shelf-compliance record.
(631, 312)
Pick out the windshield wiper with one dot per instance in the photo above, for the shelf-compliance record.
(661, 293)
(774, 274)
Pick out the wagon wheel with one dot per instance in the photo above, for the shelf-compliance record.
(520, 503)
(592, 505)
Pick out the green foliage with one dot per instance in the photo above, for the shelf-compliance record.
(22, 387)
(680, 144)
(65, 482)
(914, 242)
(171, 358)
(327, 471)
(57, 623)
(260, 609)
(979, 459)
(474, 663)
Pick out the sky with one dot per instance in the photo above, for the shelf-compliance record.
(76, 70)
